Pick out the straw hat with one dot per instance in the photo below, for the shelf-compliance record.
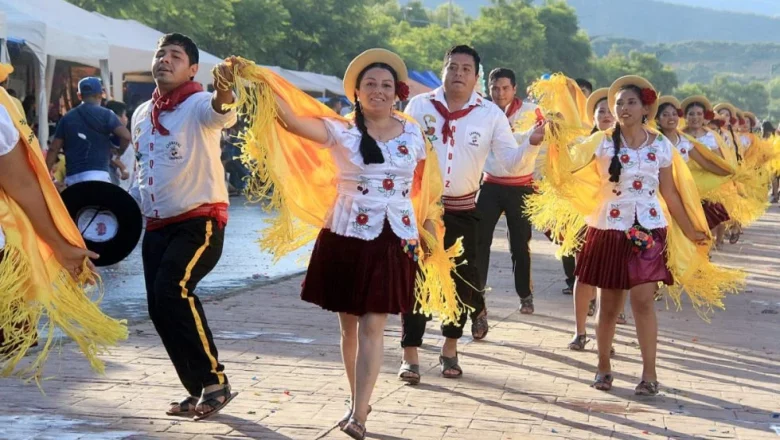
(727, 106)
(593, 101)
(696, 99)
(753, 118)
(367, 58)
(634, 80)
(667, 99)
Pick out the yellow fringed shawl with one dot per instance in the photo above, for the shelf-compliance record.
(298, 178)
(573, 181)
(34, 285)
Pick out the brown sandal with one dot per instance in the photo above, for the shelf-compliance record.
(450, 364)
(354, 429)
(344, 420)
(578, 343)
(480, 326)
(185, 408)
(647, 388)
(603, 382)
(409, 373)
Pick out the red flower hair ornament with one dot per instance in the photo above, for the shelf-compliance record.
(680, 112)
(402, 90)
(709, 115)
(733, 120)
(649, 96)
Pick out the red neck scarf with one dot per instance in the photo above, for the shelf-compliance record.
(514, 107)
(169, 101)
(446, 130)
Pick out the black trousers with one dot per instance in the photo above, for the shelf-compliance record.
(458, 224)
(176, 257)
(494, 200)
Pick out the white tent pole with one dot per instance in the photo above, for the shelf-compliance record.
(4, 57)
(105, 75)
(43, 107)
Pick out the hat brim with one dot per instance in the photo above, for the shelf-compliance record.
(367, 58)
(88, 201)
(727, 106)
(635, 80)
(667, 99)
(593, 101)
(696, 99)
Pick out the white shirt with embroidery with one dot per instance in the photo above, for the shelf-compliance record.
(183, 170)
(746, 142)
(369, 194)
(9, 137)
(709, 140)
(636, 195)
(483, 131)
(684, 147)
(494, 167)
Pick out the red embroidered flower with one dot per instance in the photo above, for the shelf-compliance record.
(362, 219)
(637, 185)
(680, 112)
(709, 115)
(407, 221)
(614, 213)
(683, 151)
(625, 158)
(401, 90)
(388, 184)
(649, 96)
(653, 212)
(403, 150)
(651, 156)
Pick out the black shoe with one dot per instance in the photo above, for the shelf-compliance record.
(568, 290)
(527, 305)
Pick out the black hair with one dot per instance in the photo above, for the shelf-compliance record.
(734, 141)
(596, 122)
(767, 129)
(118, 107)
(333, 101)
(182, 41)
(582, 82)
(369, 149)
(466, 50)
(694, 104)
(12, 92)
(614, 166)
(502, 72)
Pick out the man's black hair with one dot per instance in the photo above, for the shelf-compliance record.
(467, 50)
(333, 101)
(118, 107)
(584, 83)
(502, 72)
(182, 41)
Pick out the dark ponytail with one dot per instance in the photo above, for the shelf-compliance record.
(736, 145)
(615, 167)
(369, 149)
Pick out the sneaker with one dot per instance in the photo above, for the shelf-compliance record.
(568, 290)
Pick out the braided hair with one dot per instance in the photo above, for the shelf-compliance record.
(734, 139)
(615, 167)
(369, 148)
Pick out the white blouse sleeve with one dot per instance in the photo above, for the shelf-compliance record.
(9, 135)
(340, 133)
(665, 153)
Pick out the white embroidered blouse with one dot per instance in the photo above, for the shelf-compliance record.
(636, 195)
(9, 137)
(369, 194)
(684, 147)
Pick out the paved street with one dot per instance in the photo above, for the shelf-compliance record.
(718, 381)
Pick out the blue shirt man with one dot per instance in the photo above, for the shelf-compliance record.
(84, 134)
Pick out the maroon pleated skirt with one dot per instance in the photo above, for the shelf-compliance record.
(608, 260)
(715, 213)
(356, 276)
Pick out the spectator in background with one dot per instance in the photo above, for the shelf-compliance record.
(28, 104)
(231, 159)
(585, 85)
(767, 131)
(84, 135)
(336, 104)
(14, 98)
(121, 166)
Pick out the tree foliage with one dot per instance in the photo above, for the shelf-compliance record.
(753, 96)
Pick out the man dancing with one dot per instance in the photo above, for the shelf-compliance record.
(184, 198)
(464, 129)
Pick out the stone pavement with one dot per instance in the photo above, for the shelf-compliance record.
(719, 380)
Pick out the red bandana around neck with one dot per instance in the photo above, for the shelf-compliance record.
(446, 130)
(169, 101)
(513, 107)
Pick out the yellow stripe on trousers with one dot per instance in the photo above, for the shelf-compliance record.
(185, 295)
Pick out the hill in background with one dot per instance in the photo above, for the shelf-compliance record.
(665, 22)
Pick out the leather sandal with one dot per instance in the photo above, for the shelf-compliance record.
(450, 364)
(409, 373)
(603, 382)
(354, 429)
(184, 408)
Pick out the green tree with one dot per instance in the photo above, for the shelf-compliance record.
(440, 15)
(568, 48)
(423, 48)
(415, 14)
(613, 66)
(508, 34)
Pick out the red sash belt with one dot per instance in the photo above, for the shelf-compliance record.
(460, 203)
(527, 180)
(217, 211)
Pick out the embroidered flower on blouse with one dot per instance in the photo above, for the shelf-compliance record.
(361, 221)
(403, 150)
(388, 185)
(625, 158)
(653, 212)
(614, 213)
(406, 219)
(651, 156)
(683, 151)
